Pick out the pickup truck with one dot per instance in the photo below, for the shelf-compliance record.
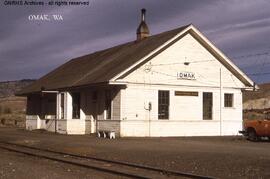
(256, 129)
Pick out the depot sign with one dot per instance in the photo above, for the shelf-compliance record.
(186, 76)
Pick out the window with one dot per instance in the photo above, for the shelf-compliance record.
(76, 105)
(163, 104)
(207, 106)
(228, 100)
(108, 101)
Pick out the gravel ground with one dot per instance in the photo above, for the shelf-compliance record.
(221, 157)
(18, 166)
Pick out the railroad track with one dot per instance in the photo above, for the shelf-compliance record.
(109, 166)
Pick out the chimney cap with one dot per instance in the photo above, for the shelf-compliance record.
(143, 11)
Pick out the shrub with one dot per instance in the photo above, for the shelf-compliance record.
(7, 110)
(3, 121)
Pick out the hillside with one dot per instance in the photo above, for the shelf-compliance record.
(259, 99)
(256, 104)
(12, 108)
(9, 88)
(263, 92)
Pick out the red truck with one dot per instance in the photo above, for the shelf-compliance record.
(257, 128)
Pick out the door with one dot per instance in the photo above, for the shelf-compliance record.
(62, 106)
(207, 106)
(267, 127)
(76, 100)
(94, 110)
(267, 124)
(262, 126)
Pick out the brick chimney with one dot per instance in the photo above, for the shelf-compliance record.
(142, 30)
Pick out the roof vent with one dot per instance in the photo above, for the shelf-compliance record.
(142, 30)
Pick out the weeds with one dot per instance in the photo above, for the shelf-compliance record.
(5, 110)
(3, 121)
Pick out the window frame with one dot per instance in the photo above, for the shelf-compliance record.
(228, 102)
(164, 103)
(207, 99)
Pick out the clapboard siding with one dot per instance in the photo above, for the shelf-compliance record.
(186, 111)
(172, 128)
(181, 107)
(164, 67)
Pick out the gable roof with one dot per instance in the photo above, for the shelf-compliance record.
(100, 66)
(207, 44)
(108, 65)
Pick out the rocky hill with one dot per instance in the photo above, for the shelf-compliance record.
(9, 88)
(256, 104)
(12, 108)
(259, 99)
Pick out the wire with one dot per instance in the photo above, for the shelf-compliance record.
(163, 73)
(182, 63)
(207, 82)
(258, 60)
(259, 74)
(252, 55)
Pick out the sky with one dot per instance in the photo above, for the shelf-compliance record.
(31, 49)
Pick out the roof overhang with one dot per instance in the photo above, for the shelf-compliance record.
(74, 88)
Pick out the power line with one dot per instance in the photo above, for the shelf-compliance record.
(252, 55)
(182, 63)
(187, 62)
(207, 82)
(202, 61)
(259, 74)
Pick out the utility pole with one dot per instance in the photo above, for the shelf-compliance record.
(220, 105)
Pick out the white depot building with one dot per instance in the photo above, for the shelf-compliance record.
(176, 83)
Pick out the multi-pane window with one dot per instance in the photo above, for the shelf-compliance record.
(163, 104)
(228, 100)
(108, 101)
(207, 106)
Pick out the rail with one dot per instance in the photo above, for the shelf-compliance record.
(110, 166)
